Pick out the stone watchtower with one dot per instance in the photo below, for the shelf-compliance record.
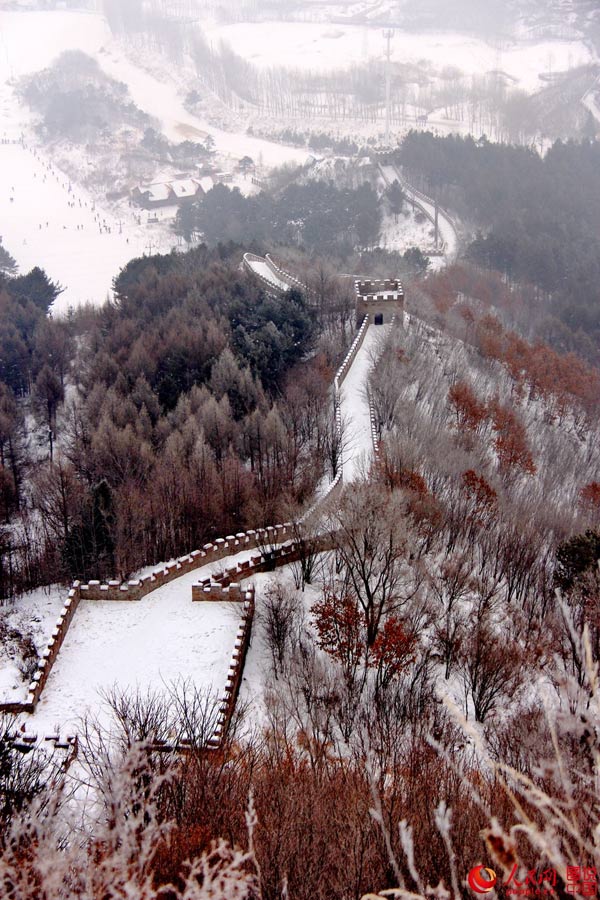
(381, 300)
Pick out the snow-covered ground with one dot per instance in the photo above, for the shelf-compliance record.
(321, 47)
(73, 247)
(257, 680)
(48, 222)
(159, 96)
(446, 226)
(354, 403)
(447, 229)
(30, 41)
(410, 229)
(147, 646)
(34, 615)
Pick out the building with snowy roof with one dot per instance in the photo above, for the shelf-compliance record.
(186, 189)
(166, 193)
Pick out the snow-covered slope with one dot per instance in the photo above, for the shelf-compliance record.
(48, 222)
(329, 47)
(84, 245)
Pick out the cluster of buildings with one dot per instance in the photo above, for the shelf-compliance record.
(169, 193)
(184, 188)
(178, 191)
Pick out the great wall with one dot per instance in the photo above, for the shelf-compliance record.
(380, 301)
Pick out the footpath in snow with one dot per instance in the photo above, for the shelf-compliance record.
(354, 403)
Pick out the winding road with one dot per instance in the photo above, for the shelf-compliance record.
(447, 228)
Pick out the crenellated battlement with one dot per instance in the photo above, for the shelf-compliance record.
(370, 287)
(226, 584)
(217, 550)
(134, 590)
(382, 299)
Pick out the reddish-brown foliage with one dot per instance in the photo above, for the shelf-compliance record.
(339, 623)
(481, 493)
(546, 373)
(470, 412)
(393, 650)
(589, 497)
(511, 443)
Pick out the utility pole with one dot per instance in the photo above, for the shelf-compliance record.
(388, 35)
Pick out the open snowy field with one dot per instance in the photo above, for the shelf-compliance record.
(312, 46)
(47, 222)
(30, 41)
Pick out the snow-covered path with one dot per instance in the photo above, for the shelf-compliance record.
(147, 645)
(446, 226)
(262, 268)
(354, 403)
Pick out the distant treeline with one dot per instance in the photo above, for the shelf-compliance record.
(539, 220)
(315, 215)
(317, 141)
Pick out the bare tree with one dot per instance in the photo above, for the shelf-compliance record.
(450, 587)
(282, 616)
(492, 669)
(373, 540)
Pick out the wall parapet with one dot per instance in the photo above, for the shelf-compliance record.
(48, 657)
(226, 585)
(215, 551)
(357, 343)
(236, 671)
(285, 276)
(336, 486)
(135, 589)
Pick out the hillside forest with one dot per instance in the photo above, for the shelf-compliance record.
(429, 692)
